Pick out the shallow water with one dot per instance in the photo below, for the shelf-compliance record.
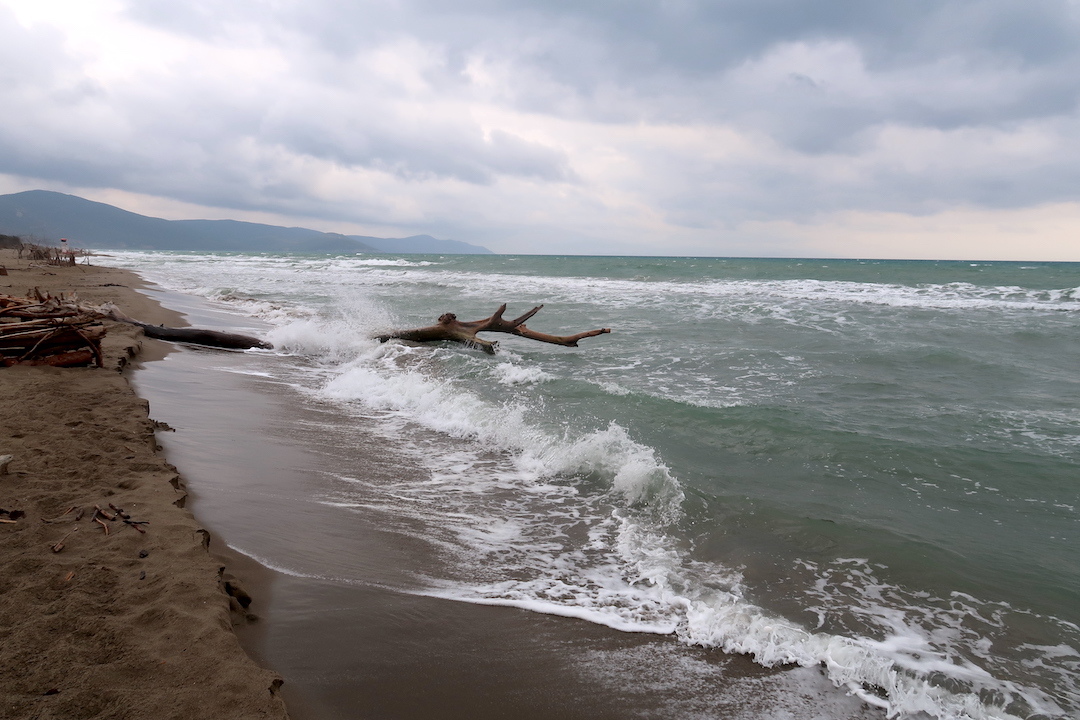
(865, 467)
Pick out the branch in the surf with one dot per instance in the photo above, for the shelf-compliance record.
(450, 329)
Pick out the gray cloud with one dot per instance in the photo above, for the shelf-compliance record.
(838, 105)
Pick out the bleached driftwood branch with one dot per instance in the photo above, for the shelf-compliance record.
(450, 329)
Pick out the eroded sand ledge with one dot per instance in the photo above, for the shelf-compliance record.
(123, 625)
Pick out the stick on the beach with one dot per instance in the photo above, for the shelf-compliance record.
(60, 544)
(450, 329)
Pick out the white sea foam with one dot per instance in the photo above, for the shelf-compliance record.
(649, 591)
(377, 381)
(630, 575)
(507, 373)
(386, 262)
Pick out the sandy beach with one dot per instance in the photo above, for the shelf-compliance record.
(117, 624)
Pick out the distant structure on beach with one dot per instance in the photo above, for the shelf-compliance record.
(46, 216)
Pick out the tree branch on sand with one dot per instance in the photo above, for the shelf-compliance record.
(450, 329)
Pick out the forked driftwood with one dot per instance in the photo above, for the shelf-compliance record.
(450, 329)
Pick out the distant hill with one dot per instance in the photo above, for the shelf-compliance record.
(422, 244)
(48, 216)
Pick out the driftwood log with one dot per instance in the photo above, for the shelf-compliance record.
(212, 338)
(450, 329)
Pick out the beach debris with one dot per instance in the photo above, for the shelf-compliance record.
(51, 255)
(44, 330)
(13, 516)
(60, 543)
(72, 514)
(102, 515)
(96, 518)
(5, 460)
(99, 516)
(450, 329)
(137, 524)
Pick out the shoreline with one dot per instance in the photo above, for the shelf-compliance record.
(118, 624)
(338, 622)
(343, 624)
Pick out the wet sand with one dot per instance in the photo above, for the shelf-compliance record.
(117, 625)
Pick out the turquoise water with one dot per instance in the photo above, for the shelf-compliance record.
(869, 466)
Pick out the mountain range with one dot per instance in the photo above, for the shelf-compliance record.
(46, 216)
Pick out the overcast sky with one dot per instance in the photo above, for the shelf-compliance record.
(855, 128)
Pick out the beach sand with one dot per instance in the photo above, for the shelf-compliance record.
(120, 624)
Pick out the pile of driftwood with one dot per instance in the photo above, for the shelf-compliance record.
(51, 255)
(44, 330)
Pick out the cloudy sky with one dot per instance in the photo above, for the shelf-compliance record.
(945, 128)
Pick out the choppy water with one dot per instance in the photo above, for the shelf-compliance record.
(869, 466)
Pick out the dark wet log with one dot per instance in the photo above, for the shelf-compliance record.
(211, 338)
(450, 329)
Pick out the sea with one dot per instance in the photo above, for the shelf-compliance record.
(867, 467)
